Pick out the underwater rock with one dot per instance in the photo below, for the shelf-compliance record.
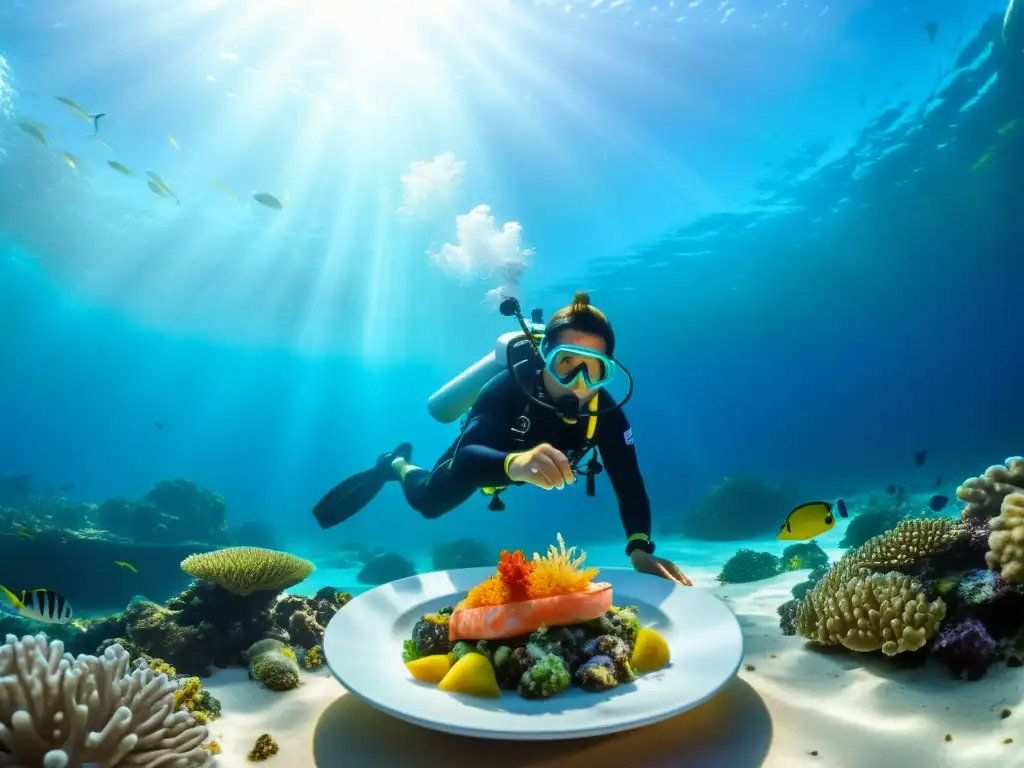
(966, 648)
(747, 565)
(385, 568)
(739, 508)
(462, 553)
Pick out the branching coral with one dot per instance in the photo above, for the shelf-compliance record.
(1006, 543)
(869, 612)
(244, 570)
(58, 712)
(907, 545)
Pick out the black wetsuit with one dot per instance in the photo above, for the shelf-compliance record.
(494, 428)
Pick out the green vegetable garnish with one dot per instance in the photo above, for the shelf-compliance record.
(409, 651)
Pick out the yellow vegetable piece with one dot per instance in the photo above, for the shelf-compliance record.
(651, 651)
(472, 675)
(429, 669)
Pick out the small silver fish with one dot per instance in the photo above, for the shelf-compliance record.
(42, 605)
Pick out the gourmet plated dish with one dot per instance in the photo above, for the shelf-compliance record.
(537, 627)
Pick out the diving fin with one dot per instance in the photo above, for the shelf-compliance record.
(351, 495)
(348, 497)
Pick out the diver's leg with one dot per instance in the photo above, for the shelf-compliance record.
(435, 492)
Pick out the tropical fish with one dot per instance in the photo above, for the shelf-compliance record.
(811, 519)
(126, 564)
(25, 534)
(890, 489)
(158, 425)
(173, 143)
(222, 188)
(35, 130)
(43, 605)
(71, 160)
(268, 200)
(938, 502)
(982, 160)
(931, 28)
(119, 168)
(79, 112)
(159, 187)
(101, 142)
(938, 480)
(1005, 129)
(920, 456)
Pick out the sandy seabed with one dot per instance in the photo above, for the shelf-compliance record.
(789, 706)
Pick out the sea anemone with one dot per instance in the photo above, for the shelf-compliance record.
(558, 572)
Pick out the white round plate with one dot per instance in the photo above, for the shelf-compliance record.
(363, 646)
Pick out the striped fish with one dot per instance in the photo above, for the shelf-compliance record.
(43, 605)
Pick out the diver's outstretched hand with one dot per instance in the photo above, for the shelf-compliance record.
(644, 562)
(544, 466)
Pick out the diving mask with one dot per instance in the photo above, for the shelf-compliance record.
(569, 364)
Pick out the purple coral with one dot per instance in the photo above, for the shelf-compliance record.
(966, 647)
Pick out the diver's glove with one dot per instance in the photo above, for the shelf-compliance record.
(544, 466)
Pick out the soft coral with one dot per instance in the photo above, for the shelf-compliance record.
(514, 570)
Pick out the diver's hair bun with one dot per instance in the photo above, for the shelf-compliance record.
(580, 300)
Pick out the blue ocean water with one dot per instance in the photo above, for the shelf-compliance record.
(802, 219)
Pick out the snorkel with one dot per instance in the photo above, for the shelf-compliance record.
(566, 406)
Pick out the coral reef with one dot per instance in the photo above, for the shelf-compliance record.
(273, 664)
(802, 555)
(1006, 542)
(881, 513)
(926, 585)
(385, 568)
(72, 546)
(748, 565)
(739, 508)
(966, 647)
(169, 507)
(869, 612)
(57, 711)
(207, 626)
(462, 553)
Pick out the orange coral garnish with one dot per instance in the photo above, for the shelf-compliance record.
(514, 570)
(558, 572)
(492, 591)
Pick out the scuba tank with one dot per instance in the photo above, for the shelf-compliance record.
(456, 397)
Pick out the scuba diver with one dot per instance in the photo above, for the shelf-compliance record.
(537, 406)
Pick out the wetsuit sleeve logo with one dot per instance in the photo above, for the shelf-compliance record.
(628, 436)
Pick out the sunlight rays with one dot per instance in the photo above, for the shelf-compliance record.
(330, 105)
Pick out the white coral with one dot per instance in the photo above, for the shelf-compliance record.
(57, 711)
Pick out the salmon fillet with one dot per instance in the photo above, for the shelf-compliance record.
(494, 622)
